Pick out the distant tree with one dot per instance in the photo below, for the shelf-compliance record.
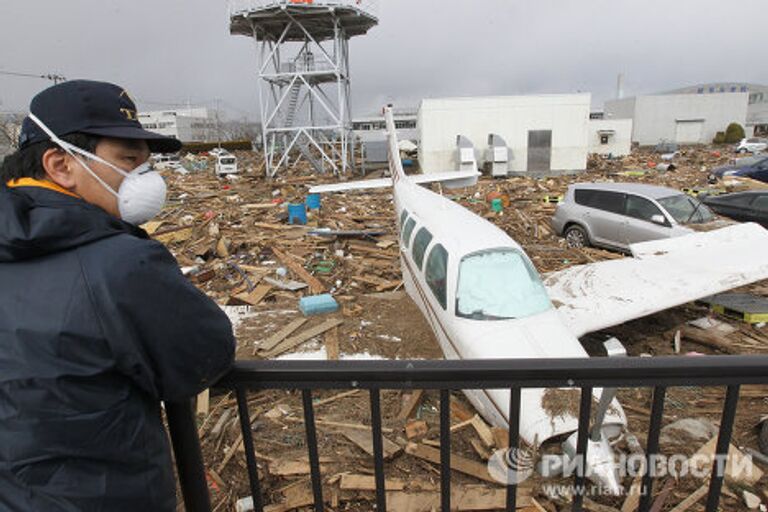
(10, 126)
(734, 133)
(239, 130)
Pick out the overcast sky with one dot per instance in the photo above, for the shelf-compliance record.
(173, 51)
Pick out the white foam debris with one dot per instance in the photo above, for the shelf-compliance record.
(237, 314)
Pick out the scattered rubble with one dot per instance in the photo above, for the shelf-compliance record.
(233, 241)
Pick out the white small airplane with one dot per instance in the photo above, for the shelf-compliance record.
(484, 299)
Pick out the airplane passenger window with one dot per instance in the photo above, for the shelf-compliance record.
(407, 232)
(436, 273)
(403, 217)
(499, 285)
(420, 243)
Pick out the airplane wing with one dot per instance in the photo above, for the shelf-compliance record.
(450, 179)
(661, 275)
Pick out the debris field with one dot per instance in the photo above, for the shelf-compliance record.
(232, 239)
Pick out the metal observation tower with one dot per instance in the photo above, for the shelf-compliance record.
(304, 85)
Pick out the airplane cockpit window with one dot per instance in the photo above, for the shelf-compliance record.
(436, 272)
(420, 243)
(407, 232)
(499, 285)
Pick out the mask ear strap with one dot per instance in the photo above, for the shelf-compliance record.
(71, 149)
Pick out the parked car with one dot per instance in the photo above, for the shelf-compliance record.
(750, 206)
(755, 167)
(166, 161)
(753, 145)
(615, 215)
(225, 164)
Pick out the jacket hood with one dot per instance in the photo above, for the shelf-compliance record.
(35, 222)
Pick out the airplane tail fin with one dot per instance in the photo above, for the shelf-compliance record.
(393, 150)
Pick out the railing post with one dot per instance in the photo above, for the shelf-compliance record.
(445, 450)
(582, 438)
(721, 451)
(314, 458)
(189, 457)
(378, 451)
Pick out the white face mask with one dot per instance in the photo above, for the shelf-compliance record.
(141, 195)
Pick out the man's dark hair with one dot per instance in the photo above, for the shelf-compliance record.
(28, 162)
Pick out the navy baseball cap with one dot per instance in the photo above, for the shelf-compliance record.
(93, 108)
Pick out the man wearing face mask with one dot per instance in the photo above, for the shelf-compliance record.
(97, 323)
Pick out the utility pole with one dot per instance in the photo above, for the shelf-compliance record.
(218, 126)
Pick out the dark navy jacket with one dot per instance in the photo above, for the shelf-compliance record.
(97, 325)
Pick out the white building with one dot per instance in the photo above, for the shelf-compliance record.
(544, 133)
(757, 107)
(187, 125)
(374, 128)
(610, 136)
(681, 118)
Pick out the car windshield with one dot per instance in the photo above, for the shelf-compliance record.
(685, 209)
(227, 161)
(499, 285)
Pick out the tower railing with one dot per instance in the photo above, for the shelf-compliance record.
(238, 7)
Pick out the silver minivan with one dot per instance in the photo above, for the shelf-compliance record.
(615, 215)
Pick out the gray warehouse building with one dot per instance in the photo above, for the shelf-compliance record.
(683, 118)
(757, 105)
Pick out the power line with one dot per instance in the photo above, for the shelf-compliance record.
(50, 76)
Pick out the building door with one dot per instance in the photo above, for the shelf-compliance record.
(539, 150)
(689, 132)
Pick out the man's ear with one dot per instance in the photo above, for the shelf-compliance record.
(59, 167)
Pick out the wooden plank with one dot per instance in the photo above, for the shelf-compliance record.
(633, 496)
(314, 284)
(364, 440)
(368, 483)
(500, 437)
(692, 499)
(416, 428)
(708, 339)
(279, 336)
(410, 405)
(335, 397)
(332, 344)
(486, 436)
(739, 468)
(302, 337)
(468, 498)
(282, 467)
(328, 423)
(169, 236)
(256, 296)
(459, 412)
(204, 402)
(458, 463)
(461, 425)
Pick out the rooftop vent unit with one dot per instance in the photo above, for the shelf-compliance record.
(465, 153)
(497, 156)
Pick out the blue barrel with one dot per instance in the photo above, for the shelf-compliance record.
(297, 213)
(313, 201)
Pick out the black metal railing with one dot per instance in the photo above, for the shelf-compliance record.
(515, 374)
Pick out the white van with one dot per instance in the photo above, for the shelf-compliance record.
(226, 164)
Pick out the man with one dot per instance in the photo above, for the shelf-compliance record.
(97, 324)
